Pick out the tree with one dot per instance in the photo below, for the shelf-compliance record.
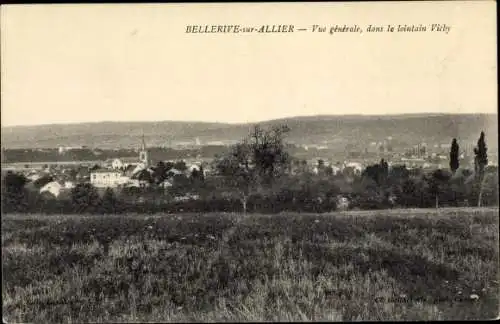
(254, 164)
(85, 198)
(182, 185)
(160, 172)
(180, 165)
(377, 172)
(72, 174)
(454, 163)
(238, 171)
(108, 202)
(145, 175)
(480, 162)
(202, 173)
(458, 186)
(197, 175)
(398, 174)
(490, 187)
(437, 182)
(13, 191)
(197, 180)
(269, 152)
(384, 168)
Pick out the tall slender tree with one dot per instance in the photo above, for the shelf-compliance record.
(480, 162)
(454, 163)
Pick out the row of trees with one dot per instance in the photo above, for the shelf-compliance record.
(480, 163)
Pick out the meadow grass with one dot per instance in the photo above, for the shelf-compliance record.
(346, 266)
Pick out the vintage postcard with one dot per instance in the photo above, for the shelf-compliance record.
(249, 162)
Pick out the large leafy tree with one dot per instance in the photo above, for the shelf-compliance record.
(253, 165)
(85, 198)
(13, 192)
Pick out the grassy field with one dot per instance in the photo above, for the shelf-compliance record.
(379, 265)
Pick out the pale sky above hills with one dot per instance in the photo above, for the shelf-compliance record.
(87, 63)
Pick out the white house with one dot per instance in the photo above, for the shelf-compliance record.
(123, 162)
(335, 169)
(63, 149)
(166, 184)
(52, 187)
(117, 164)
(342, 203)
(104, 178)
(138, 168)
(173, 172)
(34, 177)
(133, 183)
(194, 167)
(69, 184)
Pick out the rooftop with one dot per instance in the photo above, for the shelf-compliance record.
(128, 159)
(105, 171)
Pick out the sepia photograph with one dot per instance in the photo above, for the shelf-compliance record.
(249, 162)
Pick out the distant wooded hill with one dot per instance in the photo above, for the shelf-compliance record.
(334, 130)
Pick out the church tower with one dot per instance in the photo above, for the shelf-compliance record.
(143, 153)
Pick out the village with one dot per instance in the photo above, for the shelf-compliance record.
(176, 179)
(56, 179)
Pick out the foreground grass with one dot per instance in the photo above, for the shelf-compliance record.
(381, 265)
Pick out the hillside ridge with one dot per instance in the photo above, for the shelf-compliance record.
(430, 127)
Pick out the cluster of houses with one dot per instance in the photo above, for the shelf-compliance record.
(356, 167)
(120, 172)
(134, 173)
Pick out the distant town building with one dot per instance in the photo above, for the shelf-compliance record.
(215, 143)
(342, 203)
(335, 169)
(356, 166)
(166, 184)
(69, 184)
(121, 163)
(53, 188)
(103, 178)
(63, 149)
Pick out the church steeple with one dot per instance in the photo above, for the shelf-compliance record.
(143, 146)
(143, 153)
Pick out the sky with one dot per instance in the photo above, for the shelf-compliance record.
(88, 63)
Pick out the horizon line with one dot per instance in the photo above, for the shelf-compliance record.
(250, 122)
